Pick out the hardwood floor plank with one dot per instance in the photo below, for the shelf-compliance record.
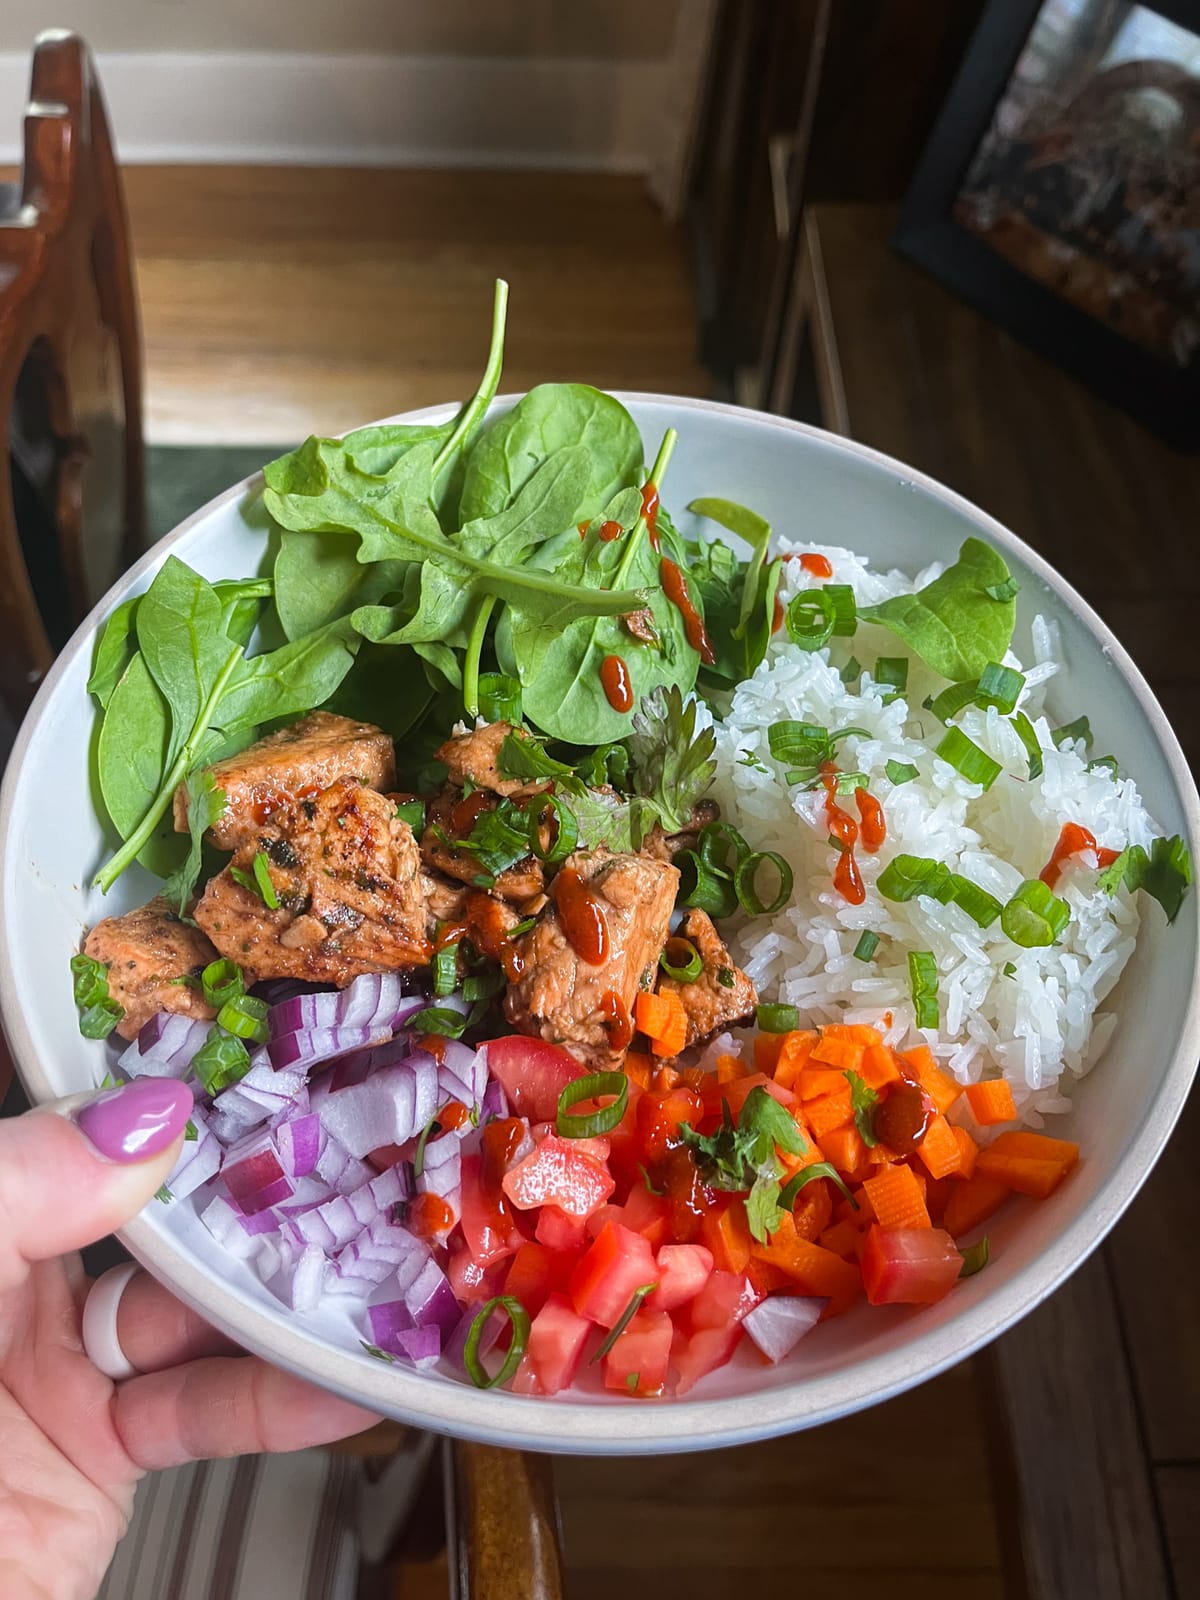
(1179, 1497)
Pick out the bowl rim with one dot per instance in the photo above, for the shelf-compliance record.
(616, 1428)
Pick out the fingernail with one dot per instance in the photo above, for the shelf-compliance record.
(138, 1119)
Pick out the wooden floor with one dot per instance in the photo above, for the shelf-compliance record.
(282, 301)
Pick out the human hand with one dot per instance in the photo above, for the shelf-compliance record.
(73, 1444)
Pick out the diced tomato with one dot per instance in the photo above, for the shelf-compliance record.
(726, 1297)
(532, 1073)
(474, 1281)
(489, 1227)
(737, 1092)
(684, 1269)
(617, 1262)
(637, 1362)
(625, 1141)
(909, 1266)
(648, 1214)
(558, 1174)
(703, 1352)
(660, 1115)
(686, 1195)
(606, 1213)
(557, 1336)
(557, 1231)
(598, 1149)
(533, 1274)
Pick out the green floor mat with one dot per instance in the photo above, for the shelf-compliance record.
(181, 478)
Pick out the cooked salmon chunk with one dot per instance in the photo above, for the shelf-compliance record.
(347, 874)
(146, 951)
(453, 818)
(474, 757)
(569, 1000)
(299, 760)
(722, 994)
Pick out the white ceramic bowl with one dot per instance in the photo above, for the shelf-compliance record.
(811, 484)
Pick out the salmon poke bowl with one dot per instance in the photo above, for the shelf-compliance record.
(637, 888)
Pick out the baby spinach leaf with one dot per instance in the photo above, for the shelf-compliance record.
(182, 641)
(954, 624)
(376, 450)
(286, 682)
(318, 578)
(551, 418)
(206, 805)
(114, 650)
(241, 603)
(131, 752)
(756, 531)
(545, 505)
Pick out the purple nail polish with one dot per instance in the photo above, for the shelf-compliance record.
(138, 1120)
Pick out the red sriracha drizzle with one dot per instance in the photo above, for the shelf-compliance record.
(1072, 841)
(847, 879)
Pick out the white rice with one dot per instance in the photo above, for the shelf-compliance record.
(1041, 1027)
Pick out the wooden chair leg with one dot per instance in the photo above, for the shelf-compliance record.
(503, 1533)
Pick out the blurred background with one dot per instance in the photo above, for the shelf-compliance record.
(966, 232)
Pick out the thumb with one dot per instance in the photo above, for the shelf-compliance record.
(75, 1170)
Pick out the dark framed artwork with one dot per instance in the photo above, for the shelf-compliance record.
(1060, 193)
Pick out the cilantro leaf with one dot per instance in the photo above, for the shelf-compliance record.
(763, 1211)
(524, 758)
(863, 1100)
(1165, 873)
(672, 763)
(498, 840)
(736, 1156)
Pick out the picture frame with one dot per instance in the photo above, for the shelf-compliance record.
(1050, 187)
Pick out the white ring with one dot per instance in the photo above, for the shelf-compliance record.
(100, 1342)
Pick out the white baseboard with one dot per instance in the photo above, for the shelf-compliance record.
(358, 110)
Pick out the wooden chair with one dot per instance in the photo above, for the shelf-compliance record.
(71, 456)
(72, 497)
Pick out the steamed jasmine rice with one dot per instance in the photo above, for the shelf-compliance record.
(1037, 1016)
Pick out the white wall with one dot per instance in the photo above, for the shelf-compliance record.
(604, 84)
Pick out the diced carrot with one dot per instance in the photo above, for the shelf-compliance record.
(812, 1082)
(829, 1111)
(845, 1054)
(815, 1270)
(731, 1067)
(878, 1067)
(767, 1048)
(879, 1155)
(991, 1102)
(937, 1193)
(843, 1238)
(940, 1088)
(792, 1057)
(896, 1198)
(1030, 1163)
(727, 1234)
(813, 1211)
(844, 1147)
(811, 1155)
(662, 1018)
(853, 1032)
(767, 1279)
(968, 1153)
(938, 1150)
(695, 1078)
(637, 1069)
(972, 1202)
(665, 1079)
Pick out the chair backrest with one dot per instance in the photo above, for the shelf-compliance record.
(71, 454)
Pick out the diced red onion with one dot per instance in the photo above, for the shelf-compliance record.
(390, 1107)
(778, 1323)
(430, 1299)
(353, 1175)
(227, 1226)
(309, 1047)
(234, 1122)
(308, 1279)
(421, 1346)
(199, 1160)
(494, 1102)
(165, 1046)
(253, 1174)
(456, 1344)
(462, 1074)
(273, 1255)
(441, 1172)
(386, 1321)
(299, 1144)
(374, 1002)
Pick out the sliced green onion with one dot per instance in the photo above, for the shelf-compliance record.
(810, 617)
(592, 1124)
(221, 1060)
(98, 1020)
(848, 782)
(1105, 764)
(845, 609)
(566, 832)
(1029, 738)
(1034, 916)
(702, 889)
(445, 970)
(439, 1019)
(482, 986)
(412, 812)
(222, 981)
(1010, 969)
(899, 772)
(777, 1018)
(646, 1179)
(1003, 591)
(623, 1321)
(519, 1317)
(852, 670)
(818, 1169)
(805, 743)
(923, 981)
(983, 908)
(953, 700)
(519, 928)
(965, 756)
(892, 671)
(432, 1126)
(1081, 728)
(748, 896)
(867, 945)
(905, 877)
(681, 960)
(725, 977)
(975, 1258)
(1000, 687)
(91, 980)
(245, 1017)
(259, 881)
(499, 697)
(721, 847)
(377, 1354)
(164, 1195)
